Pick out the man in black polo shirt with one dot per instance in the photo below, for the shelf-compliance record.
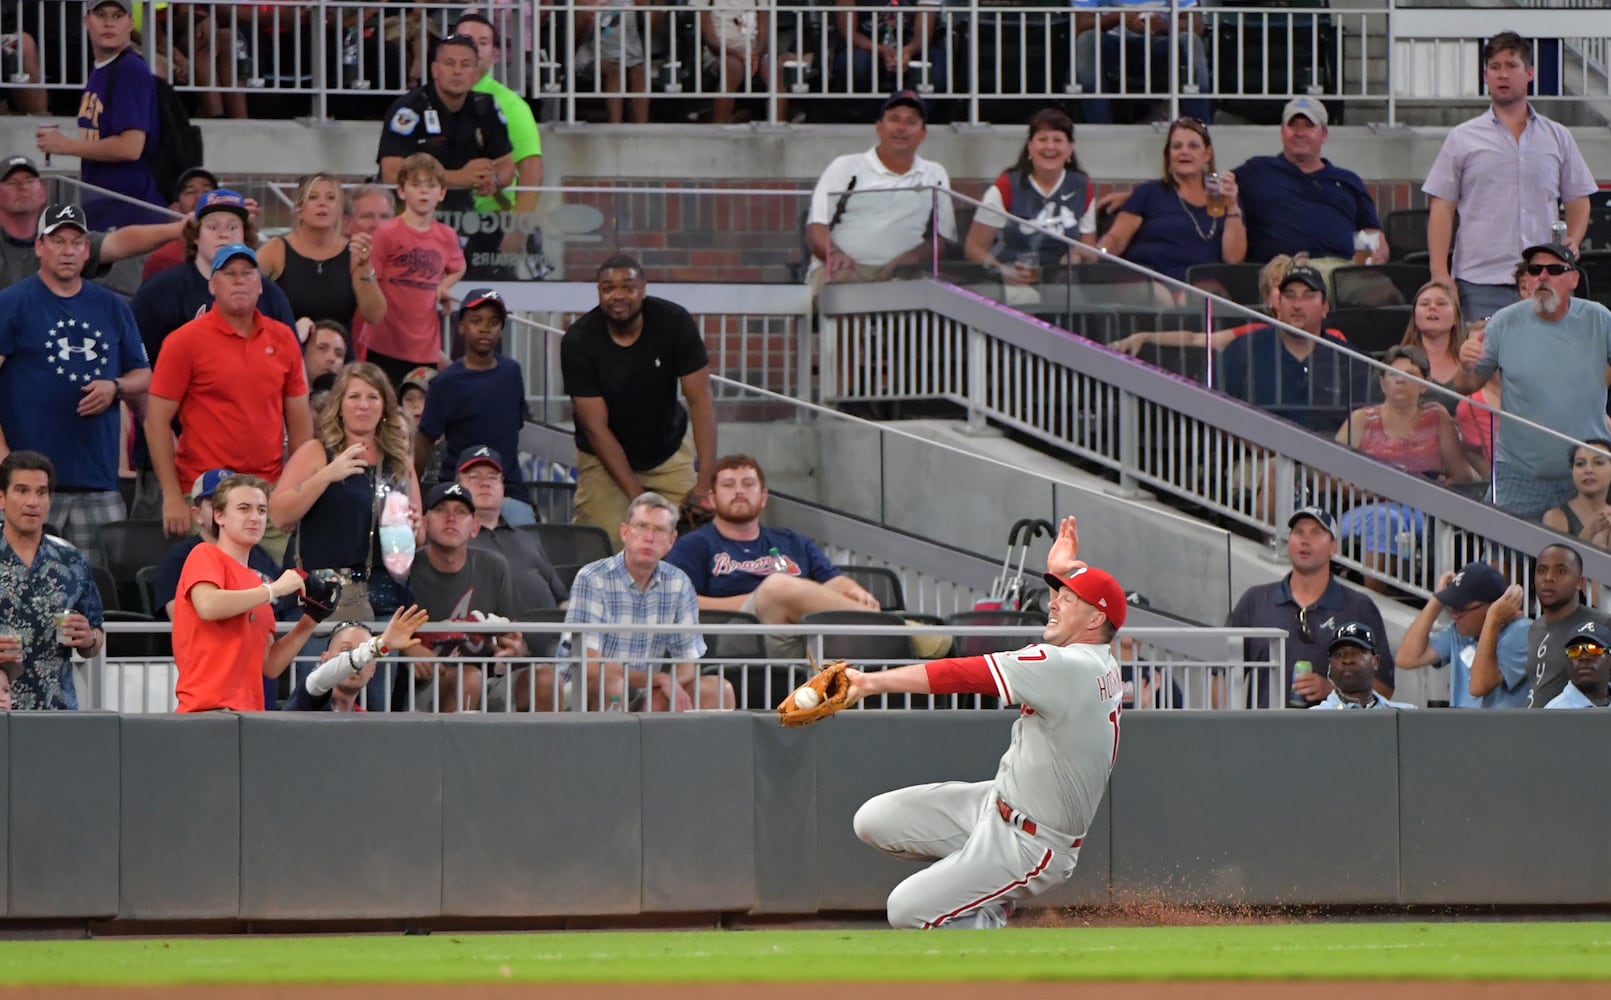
(465, 131)
(623, 363)
(1311, 605)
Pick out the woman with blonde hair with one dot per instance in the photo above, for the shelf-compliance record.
(324, 274)
(1437, 327)
(333, 487)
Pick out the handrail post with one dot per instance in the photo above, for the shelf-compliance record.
(1387, 67)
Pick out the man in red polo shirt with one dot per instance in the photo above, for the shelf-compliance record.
(235, 380)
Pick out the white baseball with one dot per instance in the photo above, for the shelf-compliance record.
(806, 699)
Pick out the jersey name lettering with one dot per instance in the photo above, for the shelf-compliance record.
(1110, 684)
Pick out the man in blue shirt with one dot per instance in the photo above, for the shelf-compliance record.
(479, 399)
(1308, 382)
(775, 574)
(1299, 202)
(1589, 670)
(69, 353)
(1310, 604)
(1485, 644)
(41, 577)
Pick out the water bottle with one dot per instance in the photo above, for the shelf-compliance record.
(615, 704)
(1294, 699)
(779, 564)
(396, 534)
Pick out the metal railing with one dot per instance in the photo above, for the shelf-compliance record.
(985, 59)
(1156, 678)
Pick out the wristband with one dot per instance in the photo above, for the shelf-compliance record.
(270, 593)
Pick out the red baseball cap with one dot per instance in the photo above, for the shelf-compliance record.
(1096, 587)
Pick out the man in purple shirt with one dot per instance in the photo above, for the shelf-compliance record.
(117, 122)
(1502, 171)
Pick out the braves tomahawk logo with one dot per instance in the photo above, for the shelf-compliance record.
(78, 351)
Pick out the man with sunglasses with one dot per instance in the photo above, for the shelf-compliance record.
(1589, 669)
(1551, 354)
(1351, 664)
(1310, 604)
(1485, 643)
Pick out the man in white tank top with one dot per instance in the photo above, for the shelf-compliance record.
(1015, 837)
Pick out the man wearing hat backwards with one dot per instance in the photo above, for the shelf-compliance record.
(1485, 642)
(1551, 354)
(479, 399)
(1588, 668)
(1018, 835)
(1351, 664)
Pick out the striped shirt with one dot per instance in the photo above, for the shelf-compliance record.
(1505, 190)
(605, 594)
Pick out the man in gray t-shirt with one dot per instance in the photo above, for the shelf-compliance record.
(457, 582)
(1551, 354)
(1558, 581)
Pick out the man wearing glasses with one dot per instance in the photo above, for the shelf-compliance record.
(1551, 353)
(70, 353)
(1588, 668)
(1310, 604)
(1485, 642)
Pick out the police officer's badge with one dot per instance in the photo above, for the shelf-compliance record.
(404, 120)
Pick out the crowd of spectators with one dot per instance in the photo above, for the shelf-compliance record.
(284, 424)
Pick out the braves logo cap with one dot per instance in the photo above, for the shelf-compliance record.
(1095, 587)
(1319, 515)
(206, 484)
(1354, 634)
(479, 297)
(1478, 581)
(441, 493)
(419, 378)
(480, 455)
(221, 200)
(1586, 633)
(57, 216)
(16, 163)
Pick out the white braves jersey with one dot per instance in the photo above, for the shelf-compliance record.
(1067, 734)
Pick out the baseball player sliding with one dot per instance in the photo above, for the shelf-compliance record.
(994, 842)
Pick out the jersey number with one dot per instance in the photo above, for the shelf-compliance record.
(1113, 717)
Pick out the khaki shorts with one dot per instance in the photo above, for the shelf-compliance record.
(778, 647)
(600, 502)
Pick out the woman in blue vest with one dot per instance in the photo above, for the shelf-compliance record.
(1168, 225)
(1046, 187)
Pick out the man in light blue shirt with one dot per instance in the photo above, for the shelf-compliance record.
(1486, 644)
(1139, 36)
(1352, 669)
(1588, 668)
(1551, 354)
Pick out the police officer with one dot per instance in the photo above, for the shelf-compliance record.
(465, 131)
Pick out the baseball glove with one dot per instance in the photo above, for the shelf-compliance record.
(831, 686)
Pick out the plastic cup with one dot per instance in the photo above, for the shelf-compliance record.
(1217, 202)
(60, 620)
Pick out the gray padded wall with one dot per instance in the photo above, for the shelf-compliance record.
(1499, 808)
(64, 814)
(698, 812)
(5, 807)
(1288, 807)
(538, 818)
(786, 876)
(180, 843)
(341, 816)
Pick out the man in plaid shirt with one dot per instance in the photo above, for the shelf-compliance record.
(635, 587)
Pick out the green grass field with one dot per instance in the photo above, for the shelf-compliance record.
(1453, 950)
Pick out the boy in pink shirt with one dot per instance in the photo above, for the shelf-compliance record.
(417, 260)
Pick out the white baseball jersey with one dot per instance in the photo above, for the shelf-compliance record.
(1067, 735)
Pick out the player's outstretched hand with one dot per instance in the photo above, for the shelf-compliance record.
(1064, 558)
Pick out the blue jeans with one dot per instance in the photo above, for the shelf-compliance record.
(862, 80)
(1099, 110)
(1481, 301)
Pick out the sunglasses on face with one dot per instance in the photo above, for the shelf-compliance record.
(1554, 270)
(1584, 651)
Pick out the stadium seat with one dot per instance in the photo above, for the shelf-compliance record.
(746, 667)
(1377, 285)
(106, 586)
(571, 544)
(1237, 282)
(882, 583)
(1371, 331)
(125, 546)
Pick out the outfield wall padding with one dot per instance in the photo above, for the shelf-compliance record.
(278, 817)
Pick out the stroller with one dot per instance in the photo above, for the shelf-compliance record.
(1008, 593)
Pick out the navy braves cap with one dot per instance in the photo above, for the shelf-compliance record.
(1307, 276)
(57, 216)
(1316, 514)
(1587, 633)
(906, 99)
(1478, 581)
(206, 484)
(480, 455)
(441, 493)
(221, 200)
(229, 252)
(1354, 634)
(478, 297)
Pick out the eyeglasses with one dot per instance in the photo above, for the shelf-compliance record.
(651, 529)
(1304, 631)
(1584, 651)
(1468, 609)
(1554, 270)
(481, 477)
